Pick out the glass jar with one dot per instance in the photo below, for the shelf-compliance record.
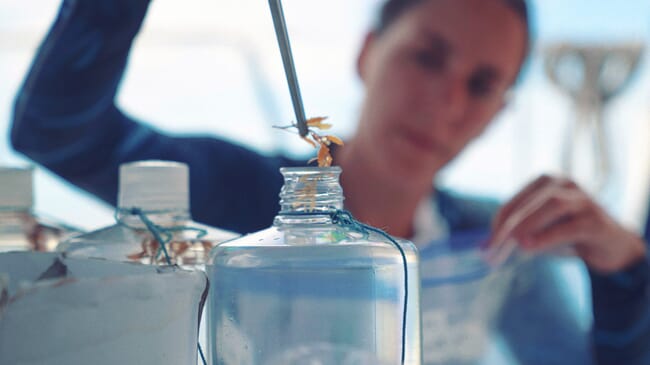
(153, 197)
(309, 290)
(152, 193)
(20, 228)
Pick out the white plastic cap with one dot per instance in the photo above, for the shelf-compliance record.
(16, 187)
(154, 185)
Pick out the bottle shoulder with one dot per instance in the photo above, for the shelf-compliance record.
(307, 242)
(186, 242)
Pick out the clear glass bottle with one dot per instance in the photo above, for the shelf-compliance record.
(160, 189)
(20, 228)
(308, 291)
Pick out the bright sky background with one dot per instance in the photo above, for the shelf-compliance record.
(212, 66)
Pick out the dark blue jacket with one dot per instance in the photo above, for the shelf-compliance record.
(66, 119)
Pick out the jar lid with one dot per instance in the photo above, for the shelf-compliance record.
(16, 187)
(154, 185)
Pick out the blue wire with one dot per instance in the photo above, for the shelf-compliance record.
(344, 218)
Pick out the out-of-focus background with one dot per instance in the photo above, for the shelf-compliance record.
(213, 67)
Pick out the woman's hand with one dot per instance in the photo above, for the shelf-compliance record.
(552, 212)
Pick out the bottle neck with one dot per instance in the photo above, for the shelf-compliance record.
(15, 210)
(14, 215)
(163, 218)
(309, 195)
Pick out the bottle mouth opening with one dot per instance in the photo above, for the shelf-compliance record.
(310, 170)
(309, 191)
(154, 163)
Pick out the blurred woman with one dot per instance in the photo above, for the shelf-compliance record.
(436, 72)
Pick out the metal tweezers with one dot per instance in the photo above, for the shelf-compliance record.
(289, 67)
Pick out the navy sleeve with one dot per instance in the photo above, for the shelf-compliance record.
(621, 332)
(538, 320)
(464, 212)
(66, 119)
(647, 226)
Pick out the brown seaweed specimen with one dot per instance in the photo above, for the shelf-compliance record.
(322, 142)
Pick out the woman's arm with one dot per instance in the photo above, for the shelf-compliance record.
(65, 115)
(65, 118)
(621, 333)
(622, 313)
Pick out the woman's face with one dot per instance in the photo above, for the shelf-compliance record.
(434, 79)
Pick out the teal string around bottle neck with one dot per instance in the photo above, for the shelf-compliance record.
(345, 219)
(162, 234)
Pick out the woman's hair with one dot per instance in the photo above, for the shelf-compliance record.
(393, 9)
